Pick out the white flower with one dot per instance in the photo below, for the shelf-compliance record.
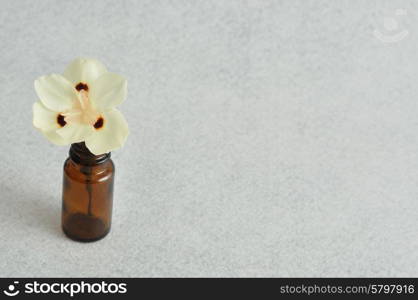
(80, 106)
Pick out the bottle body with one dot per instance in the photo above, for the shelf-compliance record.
(87, 198)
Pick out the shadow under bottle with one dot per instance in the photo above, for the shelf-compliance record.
(87, 194)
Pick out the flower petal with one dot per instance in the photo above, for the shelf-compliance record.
(111, 136)
(55, 138)
(108, 91)
(84, 70)
(75, 132)
(43, 118)
(55, 92)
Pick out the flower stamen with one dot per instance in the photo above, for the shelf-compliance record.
(72, 115)
(83, 99)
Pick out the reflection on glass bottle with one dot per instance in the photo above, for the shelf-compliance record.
(87, 194)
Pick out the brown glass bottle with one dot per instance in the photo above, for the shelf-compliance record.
(87, 194)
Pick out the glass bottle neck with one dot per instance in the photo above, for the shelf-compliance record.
(81, 155)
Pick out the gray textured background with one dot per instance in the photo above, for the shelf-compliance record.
(268, 138)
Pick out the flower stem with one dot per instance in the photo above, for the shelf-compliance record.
(87, 171)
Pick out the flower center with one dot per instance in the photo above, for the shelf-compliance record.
(89, 114)
(82, 112)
